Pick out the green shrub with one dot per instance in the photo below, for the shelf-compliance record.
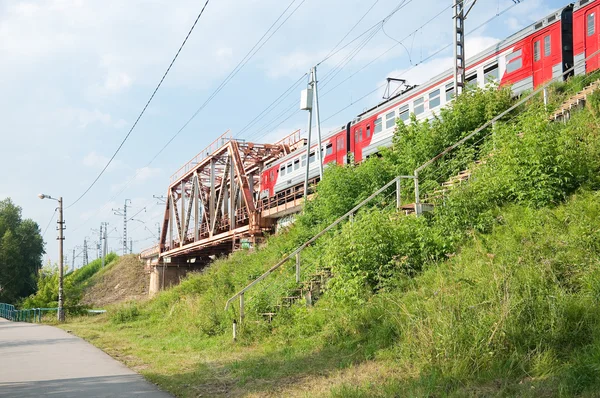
(124, 313)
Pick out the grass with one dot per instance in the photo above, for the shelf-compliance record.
(514, 313)
(495, 294)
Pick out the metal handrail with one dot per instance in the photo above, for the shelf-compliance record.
(240, 294)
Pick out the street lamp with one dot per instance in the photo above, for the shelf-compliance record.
(60, 312)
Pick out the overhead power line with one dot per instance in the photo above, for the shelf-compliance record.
(251, 53)
(49, 222)
(145, 107)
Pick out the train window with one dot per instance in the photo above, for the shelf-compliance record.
(328, 149)
(296, 164)
(471, 81)
(282, 171)
(289, 168)
(272, 175)
(340, 143)
(449, 92)
(368, 131)
(434, 99)
(591, 24)
(403, 113)
(514, 61)
(358, 134)
(491, 73)
(303, 160)
(312, 157)
(378, 127)
(537, 53)
(547, 45)
(390, 119)
(419, 106)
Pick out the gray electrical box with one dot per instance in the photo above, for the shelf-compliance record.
(306, 99)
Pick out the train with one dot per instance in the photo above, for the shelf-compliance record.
(555, 47)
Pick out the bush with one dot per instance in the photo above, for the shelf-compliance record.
(124, 313)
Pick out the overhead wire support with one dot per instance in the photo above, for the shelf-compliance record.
(145, 106)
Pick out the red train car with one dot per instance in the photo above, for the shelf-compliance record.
(586, 36)
(527, 59)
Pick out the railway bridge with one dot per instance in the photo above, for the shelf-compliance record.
(213, 207)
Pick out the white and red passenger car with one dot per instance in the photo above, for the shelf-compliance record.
(529, 58)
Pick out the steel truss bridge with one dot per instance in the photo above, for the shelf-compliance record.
(213, 203)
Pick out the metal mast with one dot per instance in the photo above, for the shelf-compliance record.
(123, 212)
(85, 252)
(460, 15)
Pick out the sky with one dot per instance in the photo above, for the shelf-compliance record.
(75, 74)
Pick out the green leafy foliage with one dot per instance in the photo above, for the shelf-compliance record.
(74, 284)
(21, 250)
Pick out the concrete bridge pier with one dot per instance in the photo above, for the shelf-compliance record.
(163, 277)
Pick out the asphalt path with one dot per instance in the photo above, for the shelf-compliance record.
(44, 361)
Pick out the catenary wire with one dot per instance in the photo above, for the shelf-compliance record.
(240, 65)
(143, 109)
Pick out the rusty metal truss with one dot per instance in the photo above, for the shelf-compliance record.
(213, 201)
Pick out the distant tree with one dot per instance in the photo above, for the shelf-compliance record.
(21, 250)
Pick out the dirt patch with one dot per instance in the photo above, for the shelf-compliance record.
(123, 281)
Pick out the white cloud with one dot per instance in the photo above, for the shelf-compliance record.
(145, 173)
(142, 175)
(117, 82)
(97, 161)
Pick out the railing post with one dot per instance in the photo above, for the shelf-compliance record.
(298, 267)
(398, 197)
(234, 330)
(242, 308)
(417, 199)
(545, 96)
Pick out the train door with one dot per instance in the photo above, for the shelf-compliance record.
(542, 58)
(358, 136)
(591, 38)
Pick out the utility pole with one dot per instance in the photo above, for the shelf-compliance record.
(104, 245)
(158, 226)
(100, 251)
(123, 212)
(308, 101)
(73, 259)
(61, 238)
(61, 227)
(131, 246)
(459, 44)
(316, 99)
(85, 252)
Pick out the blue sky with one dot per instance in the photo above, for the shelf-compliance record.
(75, 74)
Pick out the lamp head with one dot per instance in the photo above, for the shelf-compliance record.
(41, 196)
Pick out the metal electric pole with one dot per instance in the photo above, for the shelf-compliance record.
(85, 252)
(73, 261)
(104, 244)
(123, 212)
(308, 101)
(131, 246)
(61, 238)
(460, 15)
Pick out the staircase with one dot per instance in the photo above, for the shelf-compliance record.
(309, 290)
(577, 101)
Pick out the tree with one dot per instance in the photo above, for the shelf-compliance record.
(21, 250)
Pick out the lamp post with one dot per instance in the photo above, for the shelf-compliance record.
(60, 312)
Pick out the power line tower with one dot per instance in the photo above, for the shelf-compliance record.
(85, 252)
(105, 238)
(460, 15)
(123, 212)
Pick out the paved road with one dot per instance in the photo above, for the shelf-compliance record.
(43, 361)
